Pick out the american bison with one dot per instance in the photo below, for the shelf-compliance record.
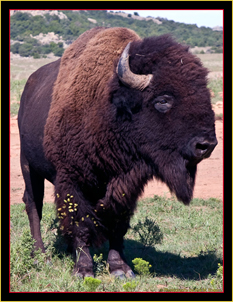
(99, 123)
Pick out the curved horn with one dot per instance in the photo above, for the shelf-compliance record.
(127, 77)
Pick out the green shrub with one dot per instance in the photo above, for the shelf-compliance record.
(25, 49)
(22, 261)
(36, 56)
(217, 282)
(15, 47)
(100, 265)
(91, 284)
(58, 51)
(149, 232)
(141, 266)
(130, 286)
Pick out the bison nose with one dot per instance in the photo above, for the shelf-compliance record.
(204, 148)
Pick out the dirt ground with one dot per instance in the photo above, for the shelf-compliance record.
(209, 180)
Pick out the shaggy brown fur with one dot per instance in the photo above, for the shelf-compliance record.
(85, 69)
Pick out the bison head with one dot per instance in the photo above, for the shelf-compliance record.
(160, 92)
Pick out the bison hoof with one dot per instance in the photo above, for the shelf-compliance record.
(122, 275)
(130, 274)
(119, 274)
(83, 274)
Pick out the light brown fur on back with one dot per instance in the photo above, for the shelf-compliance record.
(86, 68)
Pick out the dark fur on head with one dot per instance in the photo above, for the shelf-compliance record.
(163, 139)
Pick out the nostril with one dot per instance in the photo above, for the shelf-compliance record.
(202, 147)
(205, 148)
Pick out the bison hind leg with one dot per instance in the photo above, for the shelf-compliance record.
(33, 199)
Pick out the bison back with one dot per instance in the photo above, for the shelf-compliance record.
(33, 112)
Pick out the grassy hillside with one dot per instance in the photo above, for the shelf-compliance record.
(23, 25)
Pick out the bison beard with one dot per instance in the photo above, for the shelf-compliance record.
(180, 178)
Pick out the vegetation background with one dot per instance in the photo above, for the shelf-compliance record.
(68, 25)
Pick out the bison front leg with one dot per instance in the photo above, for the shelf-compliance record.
(119, 203)
(116, 259)
(77, 238)
(83, 260)
(75, 224)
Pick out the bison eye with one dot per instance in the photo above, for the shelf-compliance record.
(163, 103)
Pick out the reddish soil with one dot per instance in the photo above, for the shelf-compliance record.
(209, 180)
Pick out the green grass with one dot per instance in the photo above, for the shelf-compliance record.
(20, 70)
(212, 61)
(16, 90)
(216, 87)
(188, 258)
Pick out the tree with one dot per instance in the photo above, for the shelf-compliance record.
(25, 49)
(58, 51)
(15, 47)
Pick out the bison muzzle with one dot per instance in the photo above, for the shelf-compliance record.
(99, 123)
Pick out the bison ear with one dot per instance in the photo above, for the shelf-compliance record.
(123, 109)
